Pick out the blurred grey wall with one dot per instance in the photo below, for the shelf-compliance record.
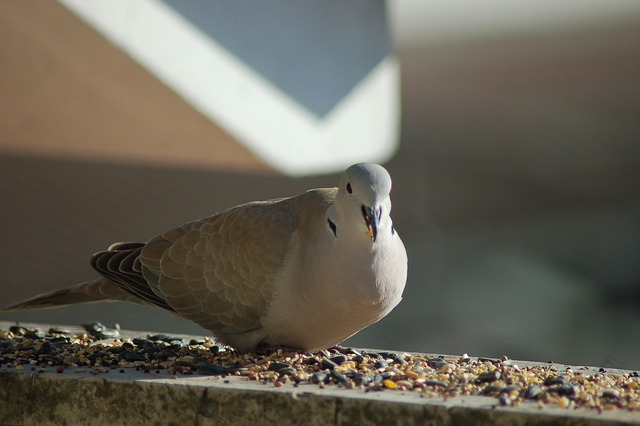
(516, 191)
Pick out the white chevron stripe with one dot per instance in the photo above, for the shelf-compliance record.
(362, 127)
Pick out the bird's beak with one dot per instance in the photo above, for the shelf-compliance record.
(371, 217)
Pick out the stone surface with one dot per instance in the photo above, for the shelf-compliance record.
(126, 396)
(135, 398)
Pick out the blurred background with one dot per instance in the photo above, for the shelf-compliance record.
(516, 177)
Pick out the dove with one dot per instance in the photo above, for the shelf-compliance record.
(304, 272)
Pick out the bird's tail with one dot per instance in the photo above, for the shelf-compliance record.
(98, 290)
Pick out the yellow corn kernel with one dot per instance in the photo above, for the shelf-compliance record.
(390, 384)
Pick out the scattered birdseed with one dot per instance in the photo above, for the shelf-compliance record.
(437, 376)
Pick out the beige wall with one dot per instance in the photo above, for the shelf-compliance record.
(516, 185)
(67, 92)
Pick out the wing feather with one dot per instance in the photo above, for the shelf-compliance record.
(226, 264)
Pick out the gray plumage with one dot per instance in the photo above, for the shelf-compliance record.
(305, 272)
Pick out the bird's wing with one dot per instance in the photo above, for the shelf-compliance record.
(121, 264)
(220, 271)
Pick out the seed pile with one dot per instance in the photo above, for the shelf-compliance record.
(102, 351)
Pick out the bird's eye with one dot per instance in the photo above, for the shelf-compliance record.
(349, 189)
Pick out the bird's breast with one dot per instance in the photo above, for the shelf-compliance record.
(341, 291)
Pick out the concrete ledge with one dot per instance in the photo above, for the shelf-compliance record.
(50, 399)
(84, 396)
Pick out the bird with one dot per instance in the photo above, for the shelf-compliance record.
(304, 272)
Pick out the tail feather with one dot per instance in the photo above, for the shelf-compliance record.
(98, 290)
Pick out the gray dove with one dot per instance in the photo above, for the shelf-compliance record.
(304, 272)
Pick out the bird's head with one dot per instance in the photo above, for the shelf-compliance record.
(363, 200)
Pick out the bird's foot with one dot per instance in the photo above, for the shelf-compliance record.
(265, 350)
(343, 350)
